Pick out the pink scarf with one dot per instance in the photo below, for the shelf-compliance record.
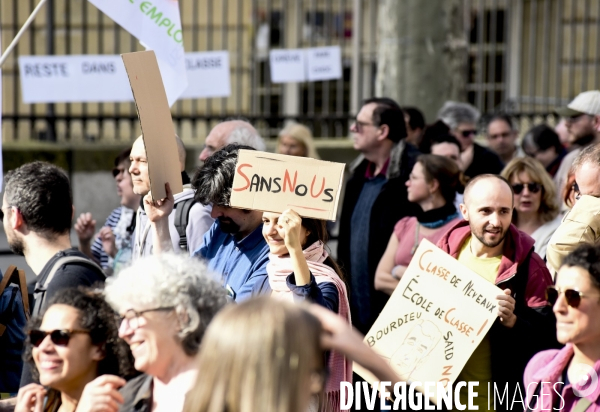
(278, 269)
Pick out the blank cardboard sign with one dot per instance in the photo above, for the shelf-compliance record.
(273, 183)
(155, 121)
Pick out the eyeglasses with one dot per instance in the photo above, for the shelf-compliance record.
(572, 296)
(578, 193)
(532, 187)
(132, 316)
(360, 126)
(467, 133)
(58, 337)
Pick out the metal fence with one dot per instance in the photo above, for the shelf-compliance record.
(524, 56)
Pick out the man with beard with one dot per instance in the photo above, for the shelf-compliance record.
(582, 118)
(234, 246)
(487, 243)
(145, 233)
(38, 209)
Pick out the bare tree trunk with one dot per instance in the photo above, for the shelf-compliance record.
(422, 53)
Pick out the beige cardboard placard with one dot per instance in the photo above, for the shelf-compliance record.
(436, 317)
(155, 121)
(273, 183)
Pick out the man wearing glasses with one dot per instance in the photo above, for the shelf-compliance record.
(462, 120)
(582, 223)
(375, 199)
(582, 118)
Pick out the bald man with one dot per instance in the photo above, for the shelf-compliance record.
(199, 219)
(231, 131)
(487, 243)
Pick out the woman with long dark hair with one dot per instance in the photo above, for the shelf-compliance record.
(300, 268)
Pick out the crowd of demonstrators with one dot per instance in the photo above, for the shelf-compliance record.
(576, 304)
(502, 136)
(271, 264)
(432, 184)
(581, 224)
(582, 119)
(73, 341)
(111, 247)
(374, 200)
(462, 119)
(295, 139)
(199, 218)
(487, 243)
(536, 211)
(415, 125)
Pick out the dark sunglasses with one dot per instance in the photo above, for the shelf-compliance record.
(467, 133)
(572, 296)
(532, 187)
(58, 337)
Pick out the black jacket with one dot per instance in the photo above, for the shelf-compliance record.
(484, 161)
(391, 206)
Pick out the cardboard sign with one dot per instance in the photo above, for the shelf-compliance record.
(273, 183)
(437, 316)
(287, 65)
(155, 121)
(208, 74)
(63, 79)
(324, 63)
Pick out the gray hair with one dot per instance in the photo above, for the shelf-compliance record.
(454, 113)
(247, 136)
(589, 154)
(167, 280)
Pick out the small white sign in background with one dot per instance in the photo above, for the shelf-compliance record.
(287, 65)
(324, 63)
(208, 74)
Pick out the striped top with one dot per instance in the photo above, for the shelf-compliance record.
(97, 249)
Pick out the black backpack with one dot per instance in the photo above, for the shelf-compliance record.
(182, 216)
(14, 314)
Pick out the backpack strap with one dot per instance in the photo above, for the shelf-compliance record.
(40, 290)
(182, 215)
(6, 316)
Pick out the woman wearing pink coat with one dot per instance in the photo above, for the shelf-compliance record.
(568, 379)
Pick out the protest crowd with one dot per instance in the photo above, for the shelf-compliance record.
(187, 303)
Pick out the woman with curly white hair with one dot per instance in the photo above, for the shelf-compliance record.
(165, 303)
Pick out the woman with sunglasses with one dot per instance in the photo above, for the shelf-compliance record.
(75, 341)
(536, 211)
(570, 375)
(165, 303)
